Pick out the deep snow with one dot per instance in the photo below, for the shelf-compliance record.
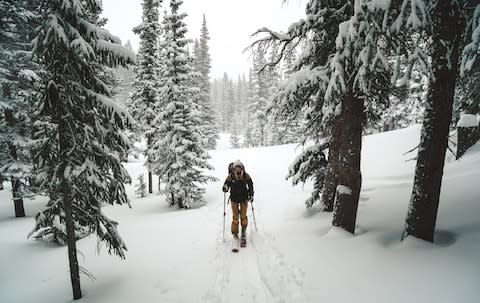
(179, 256)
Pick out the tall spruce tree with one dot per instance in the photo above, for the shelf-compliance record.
(202, 66)
(180, 154)
(355, 82)
(258, 104)
(446, 22)
(19, 84)
(302, 96)
(79, 163)
(145, 101)
(205, 59)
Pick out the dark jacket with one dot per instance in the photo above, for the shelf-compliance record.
(241, 187)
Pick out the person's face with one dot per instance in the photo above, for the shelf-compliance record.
(238, 169)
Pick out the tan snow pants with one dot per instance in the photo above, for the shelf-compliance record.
(239, 210)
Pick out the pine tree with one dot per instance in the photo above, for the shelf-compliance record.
(258, 104)
(356, 83)
(145, 101)
(141, 187)
(445, 58)
(234, 136)
(202, 66)
(302, 96)
(80, 163)
(247, 135)
(178, 145)
(19, 83)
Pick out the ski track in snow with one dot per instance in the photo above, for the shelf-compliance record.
(257, 273)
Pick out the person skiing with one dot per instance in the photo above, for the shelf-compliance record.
(241, 192)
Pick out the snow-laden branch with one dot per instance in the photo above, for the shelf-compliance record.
(472, 49)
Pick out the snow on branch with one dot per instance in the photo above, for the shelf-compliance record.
(413, 15)
(472, 49)
(114, 54)
(111, 106)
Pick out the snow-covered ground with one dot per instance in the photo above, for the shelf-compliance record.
(295, 256)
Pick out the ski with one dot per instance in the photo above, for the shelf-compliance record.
(236, 245)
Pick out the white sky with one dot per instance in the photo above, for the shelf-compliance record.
(230, 23)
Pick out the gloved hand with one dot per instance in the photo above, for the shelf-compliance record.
(225, 188)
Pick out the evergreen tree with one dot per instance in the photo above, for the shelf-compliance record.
(202, 66)
(140, 187)
(234, 135)
(19, 83)
(145, 101)
(248, 139)
(79, 164)
(179, 151)
(258, 104)
(302, 96)
(446, 22)
(356, 83)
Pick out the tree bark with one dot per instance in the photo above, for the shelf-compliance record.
(71, 243)
(16, 195)
(447, 33)
(17, 198)
(349, 175)
(64, 190)
(331, 172)
(150, 182)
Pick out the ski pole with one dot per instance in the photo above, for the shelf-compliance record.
(253, 213)
(224, 214)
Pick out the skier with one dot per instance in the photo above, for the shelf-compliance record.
(241, 192)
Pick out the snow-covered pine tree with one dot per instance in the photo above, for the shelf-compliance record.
(446, 22)
(180, 155)
(79, 165)
(140, 187)
(145, 105)
(204, 63)
(357, 84)
(310, 164)
(274, 129)
(19, 83)
(247, 133)
(234, 135)
(302, 96)
(292, 128)
(258, 105)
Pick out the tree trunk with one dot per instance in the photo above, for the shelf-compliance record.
(12, 149)
(159, 184)
(64, 189)
(349, 175)
(71, 243)
(150, 182)
(331, 172)
(17, 198)
(1, 182)
(423, 208)
(16, 195)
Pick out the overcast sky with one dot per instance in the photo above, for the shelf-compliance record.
(230, 23)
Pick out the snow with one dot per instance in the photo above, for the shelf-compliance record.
(344, 190)
(467, 120)
(296, 256)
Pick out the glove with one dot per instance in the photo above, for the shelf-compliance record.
(225, 188)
